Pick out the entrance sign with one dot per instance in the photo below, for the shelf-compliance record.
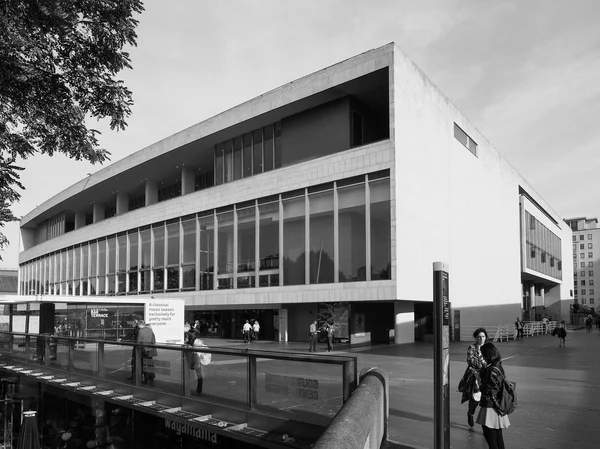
(165, 317)
(441, 356)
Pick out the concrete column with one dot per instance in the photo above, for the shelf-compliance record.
(404, 322)
(79, 220)
(531, 302)
(98, 212)
(188, 180)
(122, 203)
(151, 193)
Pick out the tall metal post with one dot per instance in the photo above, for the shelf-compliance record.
(441, 355)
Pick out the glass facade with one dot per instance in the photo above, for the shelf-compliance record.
(260, 243)
(544, 252)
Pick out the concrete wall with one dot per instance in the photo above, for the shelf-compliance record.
(455, 207)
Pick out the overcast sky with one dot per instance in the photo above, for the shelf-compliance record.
(525, 72)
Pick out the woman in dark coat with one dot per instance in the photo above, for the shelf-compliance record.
(469, 384)
(491, 383)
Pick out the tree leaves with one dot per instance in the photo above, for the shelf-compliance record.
(58, 62)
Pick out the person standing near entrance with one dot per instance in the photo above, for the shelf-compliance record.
(146, 337)
(312, 335)
(519, 325)
(246, 329)
(134, 337)
(329, 329)
(255, 330)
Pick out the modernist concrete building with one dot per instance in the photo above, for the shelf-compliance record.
(330, 196)
(586, 260)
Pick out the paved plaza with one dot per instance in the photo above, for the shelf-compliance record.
(558, 390)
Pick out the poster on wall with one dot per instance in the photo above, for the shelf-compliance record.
(165, 317)
(359, 323)
(339, 313)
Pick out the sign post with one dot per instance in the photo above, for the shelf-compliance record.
(441, 356)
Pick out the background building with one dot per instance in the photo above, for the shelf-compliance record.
(329, 197)
(586, 252)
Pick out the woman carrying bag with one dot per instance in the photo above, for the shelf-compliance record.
(492, 378)
(470, 382)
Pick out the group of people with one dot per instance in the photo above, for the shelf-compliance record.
(250, 331)
(481, 385)
(313, 334)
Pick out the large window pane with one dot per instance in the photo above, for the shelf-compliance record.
(321, 237)
(219, 163)
(228, 161)
(225, 253)
(70, 255)
(159, 279)
(173, 244)
(146, 254)
(158, 235)
(246, 239)
(352, 240)
(93, 259)
(189, 241)
(122, 253)
(76, 262)
(133, 250)
(145, 281)
(237, 158)
(133, 282)
(63, 266)
(381, 257)
(85, 258)
(207, 251)
(269, 236)
(101, 257)
(293, 241)
(111, 254)
(257, 142)
(268, 138)
(277, 144)
(247, 156)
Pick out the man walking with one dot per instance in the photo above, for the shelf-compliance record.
(312, 335)
(519, 326)
(246, 329)
(146, 337)
(329, 330)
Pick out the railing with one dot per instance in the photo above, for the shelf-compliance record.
(299, 388)
(505, 332)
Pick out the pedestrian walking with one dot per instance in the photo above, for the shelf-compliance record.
(470, 384)
(200, 359)
(519, 325)
(329, 331)
(146, 337)
(133, 337)
(492, 377)
(562, 333)
(246, 330)
(313, 336)
(545, 322)
(255, 330)
(588, 323)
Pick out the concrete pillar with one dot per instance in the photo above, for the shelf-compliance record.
(188, 180)
(98, 212)
(404, 322)
(532, 304)
(122, 203)
(151, 193)
(79, 220)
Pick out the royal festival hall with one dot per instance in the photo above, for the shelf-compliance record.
(328, 198)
